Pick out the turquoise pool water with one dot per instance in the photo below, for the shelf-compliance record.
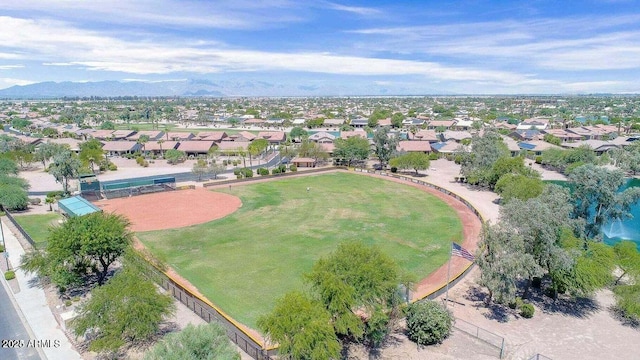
(628, 229)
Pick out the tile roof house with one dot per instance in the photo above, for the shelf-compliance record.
(424, 135)
(120, 147)
(274, 137)
(455, 135)
(322, 137)
(179, 136)
(434, 124)
(233, 146)
(196, 147)
(358, 132)
(216, 136)
(414, 146)
(152, 134)
(242, 136)
(158, 146)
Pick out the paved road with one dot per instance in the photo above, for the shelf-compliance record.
(11, 328)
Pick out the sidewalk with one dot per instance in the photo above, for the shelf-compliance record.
(31, 302)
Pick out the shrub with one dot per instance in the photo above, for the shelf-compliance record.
(113, 167)
(433, 156)
(517, 303)
(275, 171)
(394, 169)
(9, 275)
(140, 161)
(263, 171)
(283, 168)
(428, 323)
(293, 168)
(527, 310)
(1, 248)
(246, 172)
(35, 201)
(224, 162)
(236, 171)
(55, 194)
(538, 159)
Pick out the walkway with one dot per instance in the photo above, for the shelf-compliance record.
(30, 301)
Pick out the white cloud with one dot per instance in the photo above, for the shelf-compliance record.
(363, 11)
(574, 44)
(11, 67)
(59, 44)
(231, 14)
(9, 82)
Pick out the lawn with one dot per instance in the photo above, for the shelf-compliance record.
(245, 261)
(37, 226)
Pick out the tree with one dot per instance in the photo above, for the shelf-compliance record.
(412, 160)
(46, 151)
(509, 165)
(160, 142)
(200, 168)
(302, 327)
(91, 153)
(503, 261)
(81, 246)
(396, 120)
(107, 125)
(174, 156)
(351, 149)
(127, 309)
(206, 342)
(385, 145)
(23, 155)
(428, 322)
(298, 132)
(541, 222)
(143, 140)
(312, 149)
(477, 165)
(13, 189)
(517, 186)
(597, 200)
(256, 147)
(355, 278)
(64, 167)
(8, 167)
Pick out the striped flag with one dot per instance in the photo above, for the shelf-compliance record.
(458, 250)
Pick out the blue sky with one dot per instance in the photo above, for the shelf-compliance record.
(419, 47)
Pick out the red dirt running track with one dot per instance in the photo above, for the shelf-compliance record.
(172, 209)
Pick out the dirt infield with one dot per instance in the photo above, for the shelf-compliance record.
(172, 209)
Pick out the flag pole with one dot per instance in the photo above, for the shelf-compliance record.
(446, 297)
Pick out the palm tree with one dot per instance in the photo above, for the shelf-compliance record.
(160, 144)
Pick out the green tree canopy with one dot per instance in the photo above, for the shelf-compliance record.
(127, 309)
(81, 246)
(597, 199)
(174, 156)
(412, 160)
(203, 342)
(298, 132)
(351, 149)
(302, 327)
(517, 186)
(356, 277)
(385, 145)
(477, 166)
(64, 167)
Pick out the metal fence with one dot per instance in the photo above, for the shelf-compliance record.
(20, 229)
(488, 337)
(539, 357)
(208, 313)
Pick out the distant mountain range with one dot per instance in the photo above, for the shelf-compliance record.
(195, 88)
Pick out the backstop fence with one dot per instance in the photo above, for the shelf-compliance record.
(133, 187)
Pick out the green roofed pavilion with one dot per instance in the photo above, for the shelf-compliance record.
(77, 206)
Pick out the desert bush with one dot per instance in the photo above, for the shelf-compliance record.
(293, 168)
(527, 311)
(428, 323)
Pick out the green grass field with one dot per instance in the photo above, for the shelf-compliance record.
(37, 226)
(245, 261)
